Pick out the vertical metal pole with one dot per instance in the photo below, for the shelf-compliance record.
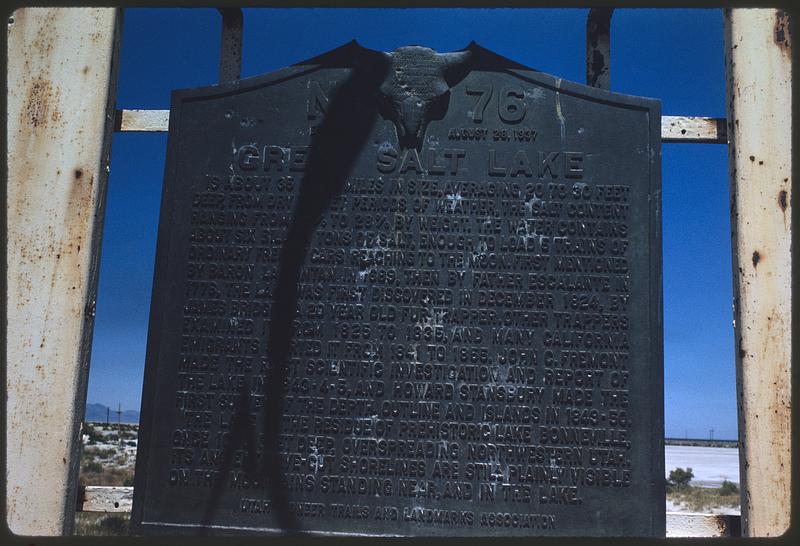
(758, 64)
(598, 48)
(61, 82)
(230, 54)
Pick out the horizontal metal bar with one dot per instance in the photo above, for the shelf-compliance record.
(693, 129)
(97, 498)
(673, 128)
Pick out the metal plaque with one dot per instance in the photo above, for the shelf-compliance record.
(409, 294)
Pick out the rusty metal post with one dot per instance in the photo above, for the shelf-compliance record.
(61, 82)
(759, 91)
(230, 54)
(598, 48)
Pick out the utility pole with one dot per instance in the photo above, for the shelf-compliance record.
(119, 423)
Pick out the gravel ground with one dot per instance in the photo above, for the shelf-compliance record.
(729, 510)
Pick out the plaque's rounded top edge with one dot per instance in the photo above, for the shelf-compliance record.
(345, 55)
(472, 57)
(608, 96)
(473, 54)
(349, 55)
(353, 50)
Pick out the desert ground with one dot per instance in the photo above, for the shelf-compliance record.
(109, 456)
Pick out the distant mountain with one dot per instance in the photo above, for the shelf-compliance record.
(98, 413)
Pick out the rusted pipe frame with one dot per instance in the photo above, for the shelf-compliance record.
(758, 72)
(598, 48)
(62, 76)
(230, 54)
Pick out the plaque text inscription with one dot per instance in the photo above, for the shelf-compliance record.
(406, 294)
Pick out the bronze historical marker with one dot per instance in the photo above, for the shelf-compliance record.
(406, 294)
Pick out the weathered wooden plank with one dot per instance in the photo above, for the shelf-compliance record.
(142, 120)
(693, 129)
(673, 128)
(61, 82)
(681, 524)
(100, 498)
(758, 61)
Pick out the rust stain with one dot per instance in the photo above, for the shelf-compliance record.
(69, 271)
(40, 97)
(783, 31)
(55, 115)
(782, 200)
(756, 258)
(46, 35)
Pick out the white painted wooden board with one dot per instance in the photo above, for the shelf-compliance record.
(61, 66)
(759, 91)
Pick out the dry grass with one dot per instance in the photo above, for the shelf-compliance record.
(101, 524)
(703, 499)
(105, 476)
(105, 465)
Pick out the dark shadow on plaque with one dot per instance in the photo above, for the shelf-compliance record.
(377, 87)
(350, 117)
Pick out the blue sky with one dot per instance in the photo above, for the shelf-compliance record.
(673, 55)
